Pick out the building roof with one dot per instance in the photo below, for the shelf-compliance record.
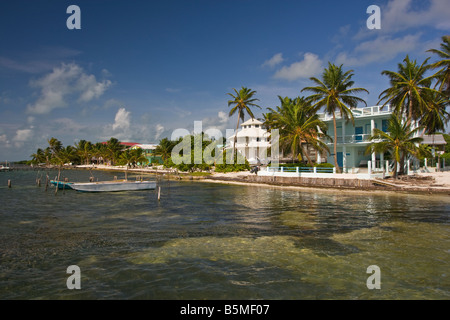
(145, 146)
(433, 139)
(126, 144)
(251, 121)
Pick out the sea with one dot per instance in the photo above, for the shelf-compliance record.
(213, 241)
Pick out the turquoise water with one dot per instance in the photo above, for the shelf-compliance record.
(215, 241)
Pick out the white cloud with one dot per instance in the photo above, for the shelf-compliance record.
(4, 139)
(122, 120)
(22, 136)
(310, 66)
(383, 48)
(66, 80)
(223, 117)
(399, 15)
(275, 60)
(158, 131)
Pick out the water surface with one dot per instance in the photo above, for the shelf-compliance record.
(214, 241)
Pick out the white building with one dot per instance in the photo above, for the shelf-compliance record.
(253, 142)
(353, 139)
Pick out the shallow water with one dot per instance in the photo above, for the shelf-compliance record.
(214, 241)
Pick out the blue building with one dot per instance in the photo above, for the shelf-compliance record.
(353, 139)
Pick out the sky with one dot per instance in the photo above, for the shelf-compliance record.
(138, 70)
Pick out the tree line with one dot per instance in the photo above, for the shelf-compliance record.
(85, 152)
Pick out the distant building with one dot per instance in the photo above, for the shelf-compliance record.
(149, 152)
(253, 142)
(436, 142)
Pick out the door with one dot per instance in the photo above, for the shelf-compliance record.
(340, 159)
(359, 133)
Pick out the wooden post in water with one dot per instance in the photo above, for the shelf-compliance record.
(9, 183)
(159, 193)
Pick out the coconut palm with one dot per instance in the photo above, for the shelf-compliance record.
(334, 92)
(410, 89)
(400, 141)
(84, 150)
(55, 146)
(164, 148)
(114, 148)
(242, 101)
(443, 75)
(126, 158)
(138, 156)
(98, 152)
(434, 116)
(298, 126)
(38, 157)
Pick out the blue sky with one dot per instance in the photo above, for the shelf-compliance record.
(138, 70)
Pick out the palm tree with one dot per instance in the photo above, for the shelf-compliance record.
(98, 152)
(38, 157)
(84, 150)
(126, 158)
(114, 148)
(434, 115)
(400, 141)
(298, 125)
(335, 93)
(443, 75)
(164, 148)
(137, 156)
(55, 146)
(409, 89)
(242, 102)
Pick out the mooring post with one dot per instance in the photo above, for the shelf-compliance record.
(9, 183)
(159, 193)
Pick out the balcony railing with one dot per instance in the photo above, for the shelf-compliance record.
(354, 138)
(360, 112)
(301, 169)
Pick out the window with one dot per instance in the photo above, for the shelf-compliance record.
(258, 139)
(257, 126)
(384, 125)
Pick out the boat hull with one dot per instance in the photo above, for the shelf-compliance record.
(114, 186)
(62, 185)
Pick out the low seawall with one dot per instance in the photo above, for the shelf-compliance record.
(332, 183)
(305, 182)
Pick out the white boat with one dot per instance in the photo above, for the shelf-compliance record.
(111, 186)
(3, 168)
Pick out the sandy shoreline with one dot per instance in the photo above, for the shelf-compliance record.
(437, 182)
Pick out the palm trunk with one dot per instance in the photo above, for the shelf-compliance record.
(410, 110)
(395, 169)
(307, 155)
(338, 170)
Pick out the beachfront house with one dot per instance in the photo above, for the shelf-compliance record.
(149, 151)
(253, 142)
(353, 139)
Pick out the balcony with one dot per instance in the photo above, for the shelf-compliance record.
(360, 112)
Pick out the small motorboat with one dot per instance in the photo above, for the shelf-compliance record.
(113, 186)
